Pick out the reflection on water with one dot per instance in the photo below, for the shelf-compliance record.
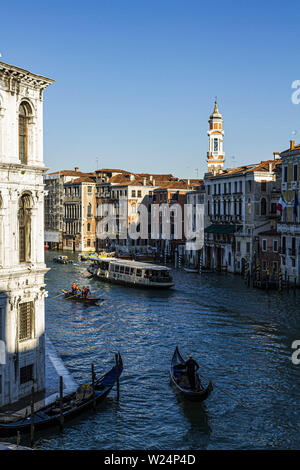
(241, 338)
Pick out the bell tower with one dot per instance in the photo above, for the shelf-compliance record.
(215, 154)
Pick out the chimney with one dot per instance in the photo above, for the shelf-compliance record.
(76, 169)
(145, 181)
(188, 182)
(150, 177)
(276, 155)
(270, 167)
(153, 182)
(292, 144)
(132, 177)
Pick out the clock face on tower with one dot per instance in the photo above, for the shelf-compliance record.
(216, 145)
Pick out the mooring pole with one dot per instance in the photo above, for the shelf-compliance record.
(61, 394)
(32, 417)
(18, 438)
(93, 386)
(117, 370)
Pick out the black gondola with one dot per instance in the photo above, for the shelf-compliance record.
(73, 404)
(180, 380)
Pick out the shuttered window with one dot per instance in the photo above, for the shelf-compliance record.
(25, 321)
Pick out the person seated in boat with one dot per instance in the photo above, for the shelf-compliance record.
(86, 292)
(83, 292)
(74, 288)
(191, 368)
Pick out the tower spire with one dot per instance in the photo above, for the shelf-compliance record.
(215, 154)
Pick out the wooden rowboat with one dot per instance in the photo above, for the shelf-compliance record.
(75, 403)
(180, 381)
(80, 298)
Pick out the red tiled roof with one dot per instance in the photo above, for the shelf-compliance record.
(69, 173)
(82, 179)
(241, 170)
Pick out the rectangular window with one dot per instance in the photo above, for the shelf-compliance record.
(89, 189)
(139, 194)
(26, 374)
(238, 246)
(275, 266)
(275, 246)
(208, 190)
(248, 247)
(88, 242)
(263, 186)
(264, 245)
(295, 172)
(264, 265)
(133, 193)
(285, 174)
(139, 272)
(25, 321)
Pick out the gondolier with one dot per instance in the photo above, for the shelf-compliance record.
(191, 368)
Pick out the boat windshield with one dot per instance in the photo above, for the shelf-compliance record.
(157, 276)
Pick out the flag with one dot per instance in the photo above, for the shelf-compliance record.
(296, 204)
(281, 204)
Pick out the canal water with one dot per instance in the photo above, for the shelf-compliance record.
(240, 336)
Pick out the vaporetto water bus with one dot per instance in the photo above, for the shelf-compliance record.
(131, 273)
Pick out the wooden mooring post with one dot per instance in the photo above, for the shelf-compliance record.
(61, 395)
(32, 417)
(118, 380)
(93, 386)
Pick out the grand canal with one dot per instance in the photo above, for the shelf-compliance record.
(241, 338)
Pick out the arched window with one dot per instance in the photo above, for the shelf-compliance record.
(24, 112)
(24, 219)
(89, 210)
(263, 206)
(88, 228)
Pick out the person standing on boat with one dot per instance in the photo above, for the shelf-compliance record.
(191, 368)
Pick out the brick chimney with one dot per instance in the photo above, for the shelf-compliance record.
(76, 169)
(145, 181)
(276, 155)
(292, 144)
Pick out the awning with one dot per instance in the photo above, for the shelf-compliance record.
(221, 229)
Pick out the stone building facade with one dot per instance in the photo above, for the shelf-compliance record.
(289, 225)
(22, 266)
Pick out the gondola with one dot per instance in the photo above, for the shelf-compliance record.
(80, 298)
(73, 404)
(180, 380)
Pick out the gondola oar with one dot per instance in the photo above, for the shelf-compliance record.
(226, 393)
(51, 298)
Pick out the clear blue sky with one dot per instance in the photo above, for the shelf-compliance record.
(136, 80)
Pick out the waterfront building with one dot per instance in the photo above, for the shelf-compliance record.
(54, 204)
(168, 235)
(22, 266)
(268, 263)
(79, 221)
(122, 197)
(194, 198)
(240, 203)
(289, 225)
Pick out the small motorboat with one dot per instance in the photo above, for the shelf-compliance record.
(180, 381)
(62, 260)
(85, 397)
(80, 298)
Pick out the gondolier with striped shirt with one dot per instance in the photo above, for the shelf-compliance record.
(191, 368)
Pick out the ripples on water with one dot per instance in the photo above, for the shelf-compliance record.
(241, 338)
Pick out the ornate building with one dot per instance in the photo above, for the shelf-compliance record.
(215, 154)
(22, 267)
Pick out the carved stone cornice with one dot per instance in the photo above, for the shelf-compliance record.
(15, 77)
